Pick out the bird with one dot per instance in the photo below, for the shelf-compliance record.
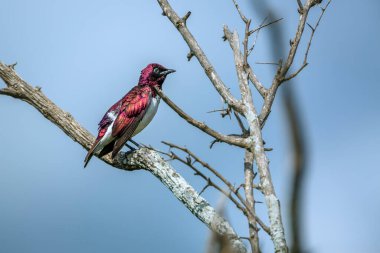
(131, 114)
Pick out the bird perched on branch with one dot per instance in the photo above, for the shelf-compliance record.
(131, 114)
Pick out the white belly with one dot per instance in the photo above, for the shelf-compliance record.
(151, 111)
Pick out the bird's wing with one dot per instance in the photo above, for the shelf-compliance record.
(132, 109)
(106, 121)
(108, 118)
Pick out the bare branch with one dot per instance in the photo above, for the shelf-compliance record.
(313, 29)
(245, 66)
(208, 181)
(240, 122)
(12, 66)
(297, 39)
(272, 202)
(300, 6)
(142, 158)
(269, 98)
(256, 37)
(222, 178)
(240, 12)
(244, 71)
(237, 141)
(283, 70)
(250, 201)
(291, 76)
(189, 55)
(245, 43)
(258, 85)
(267, 63)
(245, 91)
(200, 55)
(187, 15)
(223, 112)
(265, 25)
(204, 164)
(251, 75)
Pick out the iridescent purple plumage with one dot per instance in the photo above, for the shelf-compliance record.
(130, 114)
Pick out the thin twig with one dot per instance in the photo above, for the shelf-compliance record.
(257, 36)
(245, 66)
(223, 112)
(313, 29)
(291, 76)
(262, 26)
(282, 70)
(258, 85)
(267, 63)
(240, 122)
(240, 12)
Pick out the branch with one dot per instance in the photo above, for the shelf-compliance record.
(245, 91)
(313, 29)
(233, 140)
(200, 55)
(258, 85)
(250, 200)
(291, 76)
(240, 12)
(264, 25)
(211, 183)
(282, 70)
(245, 68)
(143, 158)
(240, 122)
(300, 6)
(223, 179)
(257, 147)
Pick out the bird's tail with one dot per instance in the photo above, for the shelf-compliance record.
(90, 154)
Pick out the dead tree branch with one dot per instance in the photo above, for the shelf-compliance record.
(250, 201)
(257, 148)
(143, 158)
(282, 70)
(233, 140)
(200, 55)
(246, 209)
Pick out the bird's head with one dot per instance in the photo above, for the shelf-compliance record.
(154, 74)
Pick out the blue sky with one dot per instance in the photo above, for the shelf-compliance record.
(86, 54)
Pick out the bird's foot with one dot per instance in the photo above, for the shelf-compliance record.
(131, 149)
(135, 143)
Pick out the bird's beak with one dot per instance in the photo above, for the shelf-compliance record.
(167, 72)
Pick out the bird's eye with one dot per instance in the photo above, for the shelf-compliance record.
(156, 70)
